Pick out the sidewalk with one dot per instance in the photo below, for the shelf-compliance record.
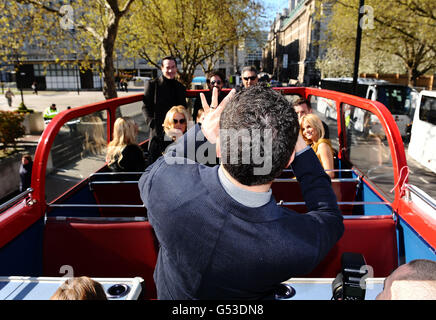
(62, 99)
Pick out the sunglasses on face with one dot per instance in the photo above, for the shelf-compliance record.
(218, 82)
(181, 121)
(252, 78)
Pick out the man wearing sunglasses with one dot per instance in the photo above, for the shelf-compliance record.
(249, 76)
(215, 79)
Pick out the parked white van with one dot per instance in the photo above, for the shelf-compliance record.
(422, 146)
(397, 98)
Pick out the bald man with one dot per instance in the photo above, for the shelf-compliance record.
(415, 280)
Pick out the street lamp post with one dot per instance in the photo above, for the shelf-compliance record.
(22, 74)
(357, 52)
(18, 78)
(77, 74)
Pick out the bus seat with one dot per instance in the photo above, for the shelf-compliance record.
(106, 248)
(289, 191)
(372, 236)
(125, 193)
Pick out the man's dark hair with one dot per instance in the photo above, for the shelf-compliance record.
(301, 101)
(249, 68)
(269, 123)
(168, 58)
(215, 73)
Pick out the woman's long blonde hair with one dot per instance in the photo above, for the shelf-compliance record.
(168, 122)
(125, 131)
(80, 288)
(315, 122)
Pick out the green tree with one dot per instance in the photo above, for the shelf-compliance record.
(86, 28)
(11, 128)
(398, 34)
(193, 31)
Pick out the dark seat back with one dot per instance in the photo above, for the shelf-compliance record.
(372, 236)
(101, 248)
(117, 189)
(289, 191)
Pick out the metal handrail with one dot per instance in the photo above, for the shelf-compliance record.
(11, 202)
(76, 205)
(333, 180)
(283, 203)
(113, 182)
(423, 196)
(334, 170)
(96, 219)
(114, 173)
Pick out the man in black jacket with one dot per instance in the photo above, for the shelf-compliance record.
(161, 94)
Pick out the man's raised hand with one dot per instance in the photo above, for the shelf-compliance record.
(212, 113)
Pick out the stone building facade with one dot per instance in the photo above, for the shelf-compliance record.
(293, 44)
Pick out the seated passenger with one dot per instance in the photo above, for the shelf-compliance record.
(415, 280)
(124, 155)
(302, 107)
(215, 79)
(200, 116)
(80, 288)
(312, 131)
(175, 125)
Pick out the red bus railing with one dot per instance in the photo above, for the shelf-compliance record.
(24, 218)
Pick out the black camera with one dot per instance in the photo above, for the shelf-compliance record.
(118, 290)
(348, 283)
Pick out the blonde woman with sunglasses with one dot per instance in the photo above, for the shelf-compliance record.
(175, 125)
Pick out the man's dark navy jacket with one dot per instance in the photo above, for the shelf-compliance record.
(213, 247)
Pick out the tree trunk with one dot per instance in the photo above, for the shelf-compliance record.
(409, 76)
(107, 60)
(186, 78)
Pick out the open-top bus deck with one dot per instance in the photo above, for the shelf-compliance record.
(79, 218)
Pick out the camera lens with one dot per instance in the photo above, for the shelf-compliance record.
(284, 291)
(118, 290)
(337, 289)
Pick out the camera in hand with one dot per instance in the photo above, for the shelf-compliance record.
(347, 285)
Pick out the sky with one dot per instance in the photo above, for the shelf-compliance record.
(273, 6)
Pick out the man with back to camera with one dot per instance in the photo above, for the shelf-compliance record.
(221, 233)
(302, 107)
(249, 76)
(161, 94)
